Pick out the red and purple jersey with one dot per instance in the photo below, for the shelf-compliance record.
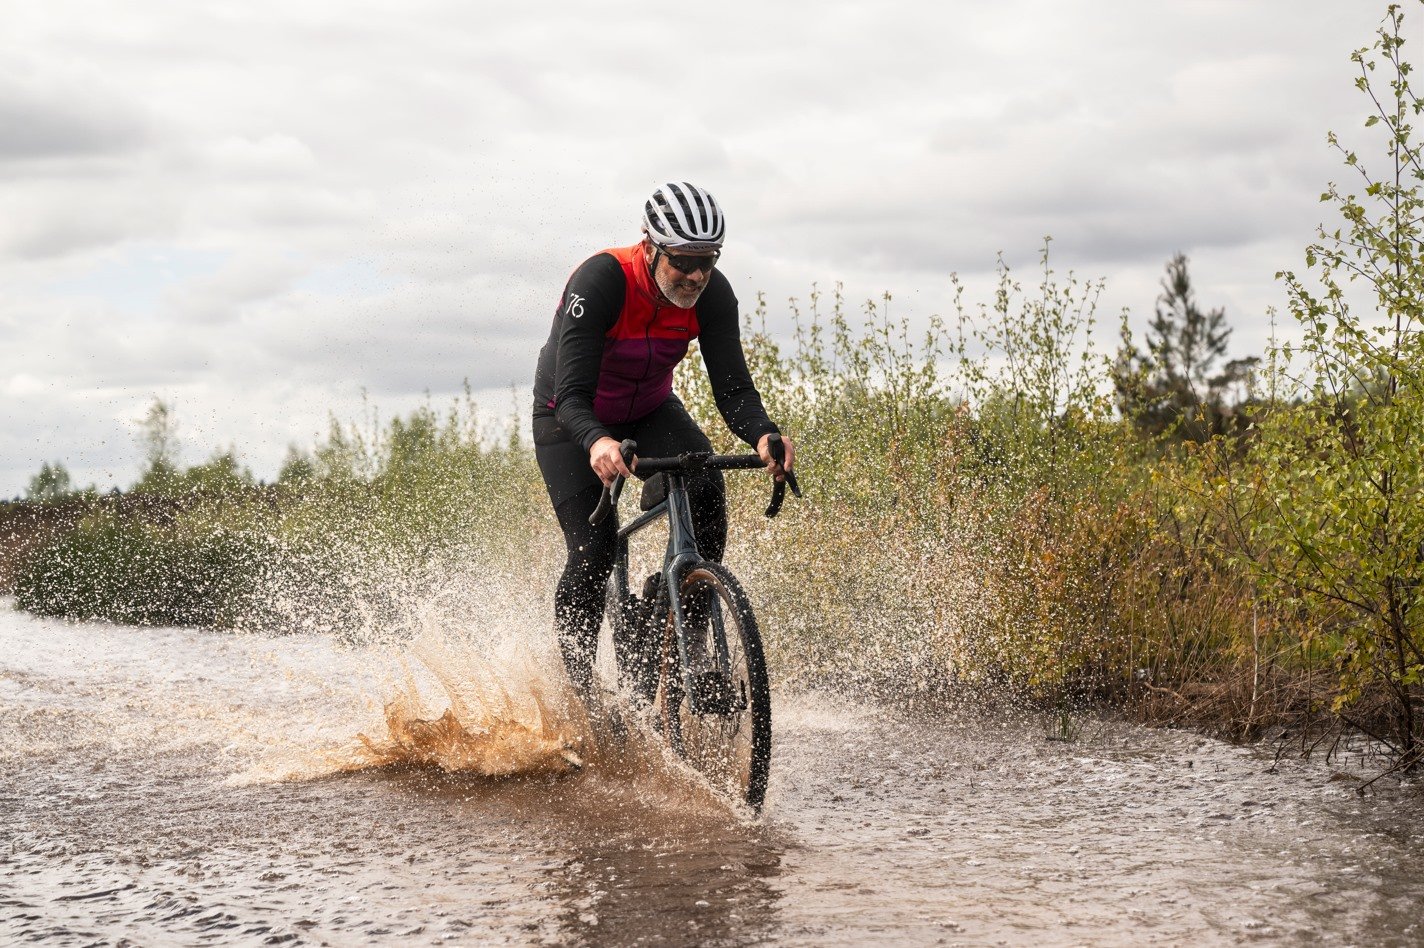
(615, 342)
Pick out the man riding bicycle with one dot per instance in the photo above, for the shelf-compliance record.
(624, 322)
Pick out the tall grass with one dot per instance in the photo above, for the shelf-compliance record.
(977, 515)
(965, 485)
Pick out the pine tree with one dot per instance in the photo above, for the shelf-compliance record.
(1172, 386)
(1186, 341)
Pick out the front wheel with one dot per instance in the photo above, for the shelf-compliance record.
(725, 733)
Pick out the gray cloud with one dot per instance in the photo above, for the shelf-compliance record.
(47, 113)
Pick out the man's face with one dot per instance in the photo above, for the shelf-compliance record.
(682, 289)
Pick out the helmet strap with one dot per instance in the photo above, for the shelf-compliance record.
(653, 274)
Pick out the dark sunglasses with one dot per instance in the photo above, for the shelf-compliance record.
(687, 263)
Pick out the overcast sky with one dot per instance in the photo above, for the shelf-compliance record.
(256, 210)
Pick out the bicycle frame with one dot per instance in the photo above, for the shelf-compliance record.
(681, 556)
(705, 668)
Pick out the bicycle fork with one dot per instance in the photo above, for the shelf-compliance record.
(706, 679)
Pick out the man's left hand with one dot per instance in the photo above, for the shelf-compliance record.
(764, 450)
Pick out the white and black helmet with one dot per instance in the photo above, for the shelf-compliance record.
(684, 216)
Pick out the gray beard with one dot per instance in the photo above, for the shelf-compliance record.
(682, 299)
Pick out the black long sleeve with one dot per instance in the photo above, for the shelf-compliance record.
(721, 341)
(573, 355)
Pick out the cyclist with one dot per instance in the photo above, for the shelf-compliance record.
(623, 323)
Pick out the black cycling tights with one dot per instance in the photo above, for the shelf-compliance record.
(578, 602)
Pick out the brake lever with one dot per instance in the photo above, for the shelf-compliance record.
(611, 492)
(777, 447)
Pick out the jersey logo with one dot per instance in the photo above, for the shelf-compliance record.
(575, 308)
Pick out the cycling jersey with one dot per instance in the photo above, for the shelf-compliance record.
(615, 342)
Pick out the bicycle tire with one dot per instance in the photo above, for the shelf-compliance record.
(733, 750)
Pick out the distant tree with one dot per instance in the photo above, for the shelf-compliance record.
(51, 483)
(222, 475)
(1174, 385)
(298, 470)
(158, 439)
(1186, 341)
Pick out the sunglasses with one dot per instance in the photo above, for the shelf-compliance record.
(688, 263)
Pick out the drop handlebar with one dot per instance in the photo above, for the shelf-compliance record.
(698, 461)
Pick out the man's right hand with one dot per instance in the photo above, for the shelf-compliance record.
(606, 459)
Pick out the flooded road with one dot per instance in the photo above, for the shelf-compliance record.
(179, 787)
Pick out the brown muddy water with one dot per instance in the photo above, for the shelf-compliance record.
(163, 786)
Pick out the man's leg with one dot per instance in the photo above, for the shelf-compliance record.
(578, 601)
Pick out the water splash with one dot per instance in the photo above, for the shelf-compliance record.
(452, 674)
(465, 686)
(493, 735)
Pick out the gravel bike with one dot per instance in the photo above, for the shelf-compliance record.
(688, 645)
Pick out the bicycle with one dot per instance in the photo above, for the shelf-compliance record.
(709, 691)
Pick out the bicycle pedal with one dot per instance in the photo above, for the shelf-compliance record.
(713, 692)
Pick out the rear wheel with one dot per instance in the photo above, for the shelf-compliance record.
(726, 733)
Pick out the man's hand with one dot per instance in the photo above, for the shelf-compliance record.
(777, 470)
(606, 459)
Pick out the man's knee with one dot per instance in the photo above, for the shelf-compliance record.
(589, 546)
